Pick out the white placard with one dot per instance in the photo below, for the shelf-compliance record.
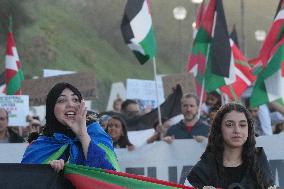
(17, 107)
(50, 73)
(145, 90)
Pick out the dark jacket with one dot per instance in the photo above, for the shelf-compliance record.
(14, 137)
(204, 173)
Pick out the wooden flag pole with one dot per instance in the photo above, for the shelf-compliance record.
(157, 93)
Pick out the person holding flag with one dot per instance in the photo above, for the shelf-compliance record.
(67, 137)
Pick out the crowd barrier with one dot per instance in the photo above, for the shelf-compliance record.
(170, 162)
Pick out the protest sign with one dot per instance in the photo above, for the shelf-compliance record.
(17, 107)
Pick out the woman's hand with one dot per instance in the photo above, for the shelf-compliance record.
(272, 187)
(79, 127)
(57, 165)
(78, 124)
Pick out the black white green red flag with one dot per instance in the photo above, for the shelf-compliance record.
(13, 68)
(274, 35)
(269, 85)
(137, 30)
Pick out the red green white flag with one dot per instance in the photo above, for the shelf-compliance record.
(243, 75)
(83, 177)
(13, 67)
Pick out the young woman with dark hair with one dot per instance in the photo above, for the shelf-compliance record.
(231, 159)
(67, 137)
(116, 128)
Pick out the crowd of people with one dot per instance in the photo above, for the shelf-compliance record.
(78, 134)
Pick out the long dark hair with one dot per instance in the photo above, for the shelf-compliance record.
(123, 141)
(215, 144)
(52, 124)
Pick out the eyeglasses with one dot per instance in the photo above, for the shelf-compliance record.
(35, 125)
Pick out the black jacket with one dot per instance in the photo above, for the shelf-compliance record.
(204, 173)
(14, 137)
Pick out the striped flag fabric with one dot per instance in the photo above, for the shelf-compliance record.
(219, 67)
(269, 85)
(198, 56)
(83, 177)
(274, 35)
(211, 59)
(13, 68)
(137, 30)
(244, 76)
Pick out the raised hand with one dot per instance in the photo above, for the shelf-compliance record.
(78, 124)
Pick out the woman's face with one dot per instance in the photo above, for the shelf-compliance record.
(66, 106)
(115, 129)
(234, 129)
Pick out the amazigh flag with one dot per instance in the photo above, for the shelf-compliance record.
(211, 58)
(137, 30)
(14, 74)
(269, 85)
(83, 177)
(244, 76)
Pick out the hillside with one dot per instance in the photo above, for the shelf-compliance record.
(84, 35)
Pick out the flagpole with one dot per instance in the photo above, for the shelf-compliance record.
(201, 98)
(157, 94)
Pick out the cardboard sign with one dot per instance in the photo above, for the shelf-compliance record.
(186, 80)
(38, 89)
(17, 107)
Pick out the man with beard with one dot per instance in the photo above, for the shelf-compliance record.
(7, 135)
(190, 127)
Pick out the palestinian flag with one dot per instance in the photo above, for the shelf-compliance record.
(274, 35)
(269, 85)
(137, 30)
(243, 78)
(211, 59)
(13, 72)
(83, 177)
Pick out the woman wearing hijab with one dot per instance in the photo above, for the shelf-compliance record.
(67, 137)
(231, 159)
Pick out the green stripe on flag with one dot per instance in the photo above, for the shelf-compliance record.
(14, 84)
(110, 155)
(56, 155)
(259, 94)
(149, 44)
(101, 175)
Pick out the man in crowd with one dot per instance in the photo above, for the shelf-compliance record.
(130, 108)
(7, 135)
(191, 126)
